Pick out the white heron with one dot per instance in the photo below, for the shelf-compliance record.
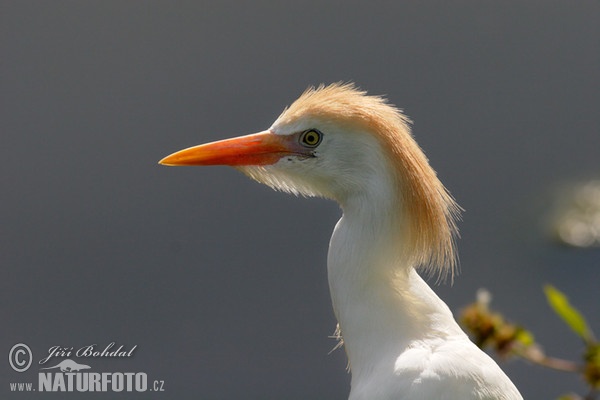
(401, 339)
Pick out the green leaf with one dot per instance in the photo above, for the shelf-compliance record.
(525, 337)
(568, 397)
(573, 318)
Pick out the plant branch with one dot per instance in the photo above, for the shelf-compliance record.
(536, 356)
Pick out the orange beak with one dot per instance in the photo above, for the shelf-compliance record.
(263, 148)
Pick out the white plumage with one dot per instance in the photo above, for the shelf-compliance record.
(401, 339)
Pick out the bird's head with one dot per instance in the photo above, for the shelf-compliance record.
(338, 142)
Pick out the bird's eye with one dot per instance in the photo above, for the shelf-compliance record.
(311, 138)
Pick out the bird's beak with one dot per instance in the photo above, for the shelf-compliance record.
(261, 148)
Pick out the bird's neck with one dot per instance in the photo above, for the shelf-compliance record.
(380, 301)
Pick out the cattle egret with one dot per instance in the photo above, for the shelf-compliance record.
(401, 339)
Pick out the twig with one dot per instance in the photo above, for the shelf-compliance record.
(537, 356)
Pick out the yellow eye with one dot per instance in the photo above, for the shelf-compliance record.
(311, 138)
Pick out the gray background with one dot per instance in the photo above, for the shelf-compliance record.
(220, 282)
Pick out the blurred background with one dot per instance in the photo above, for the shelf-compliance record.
(219, 281)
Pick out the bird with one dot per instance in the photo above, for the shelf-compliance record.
(398, 227)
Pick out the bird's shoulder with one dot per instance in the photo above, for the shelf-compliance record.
(449, 369)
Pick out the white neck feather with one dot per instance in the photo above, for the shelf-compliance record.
(380, 301)
(401, 339)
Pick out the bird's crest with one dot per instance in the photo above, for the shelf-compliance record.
(431, 210)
